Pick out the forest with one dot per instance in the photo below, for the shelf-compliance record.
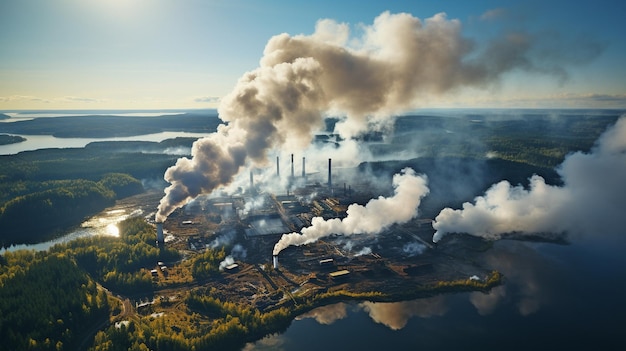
(53, 300)
(6, 139)
(46, 191)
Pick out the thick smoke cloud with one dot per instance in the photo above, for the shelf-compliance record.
(592, 200)
(399, 61)
(377, 215)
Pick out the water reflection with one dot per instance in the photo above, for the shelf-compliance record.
(395, 315)
(104, 223)
(327, 314)
(530, 278)
(553, 296)
(112, 230)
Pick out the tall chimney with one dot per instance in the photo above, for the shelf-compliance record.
(251, 182)
(303, 169)
(159, 229)
(275, 261)
(330, 181)
(292, 174)
(277, 167)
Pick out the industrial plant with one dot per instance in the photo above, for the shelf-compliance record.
(250, 224)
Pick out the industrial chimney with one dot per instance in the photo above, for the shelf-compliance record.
(159, 229)
(275, 261)
(330, 181)
(277, 167)
(292, 174)
(303, 169)
(251, 182)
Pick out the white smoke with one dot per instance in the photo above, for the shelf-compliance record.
(228, 260)
(253, 204)
(224, 239)
(399, 61)
(238, 252)
(592, 199)
(377, 215)
(364, 251)
(413, 249)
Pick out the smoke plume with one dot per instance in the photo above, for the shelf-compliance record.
(377, 215)
(399, 61)
(238, 252)
(592, 199)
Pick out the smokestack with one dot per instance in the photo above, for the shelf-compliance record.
(330, 181)
(159, 229)
(251, 182)
(292, 174)
(397, 78)
(277, 167)
(303, 169)
(275, 261)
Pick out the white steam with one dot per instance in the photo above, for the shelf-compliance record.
(592, 199)
(413, 249)
(399, 61)
(238, 252)
(364, 251)
(377, 215)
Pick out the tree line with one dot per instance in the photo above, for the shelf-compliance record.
(36, 210)
(46, 301)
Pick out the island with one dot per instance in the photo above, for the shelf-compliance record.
(6, 139)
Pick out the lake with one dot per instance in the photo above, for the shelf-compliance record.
(554, 298)
(35, 142)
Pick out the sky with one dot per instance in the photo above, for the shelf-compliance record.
(184, 54)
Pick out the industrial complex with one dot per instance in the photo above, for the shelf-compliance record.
(248, 226)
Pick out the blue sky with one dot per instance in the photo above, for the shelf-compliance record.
(156, 54)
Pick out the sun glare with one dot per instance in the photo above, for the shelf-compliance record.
(112, 230)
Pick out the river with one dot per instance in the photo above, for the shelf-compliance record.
(103, 223)
(554, 297)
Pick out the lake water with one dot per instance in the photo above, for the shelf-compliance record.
(554, 298)
(35, 142)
